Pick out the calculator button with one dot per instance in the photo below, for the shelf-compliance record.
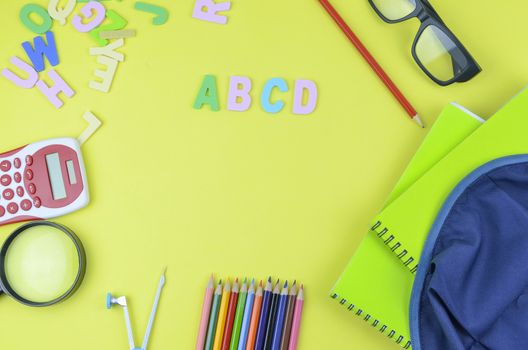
(2, 211)
(17, 177)
(26, 204)
(28, 174)
(17, 162)
(32, 188)
(29, 160)
(37, 202)
(20, 191)
(12, 207)
(5, 165)
(8, 194)
(5, 180)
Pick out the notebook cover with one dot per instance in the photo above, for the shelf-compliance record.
(374, 285)
(404, 224)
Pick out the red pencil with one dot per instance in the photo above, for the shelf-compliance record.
(228, 330)
(372, 62)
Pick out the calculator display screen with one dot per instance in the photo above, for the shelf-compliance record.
(55, 176)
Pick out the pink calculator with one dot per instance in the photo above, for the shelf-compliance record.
(42, 180)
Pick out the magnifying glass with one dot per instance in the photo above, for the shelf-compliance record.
(41, 263)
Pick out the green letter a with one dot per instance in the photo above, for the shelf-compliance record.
(207, 94)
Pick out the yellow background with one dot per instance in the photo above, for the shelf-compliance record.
(237, 194)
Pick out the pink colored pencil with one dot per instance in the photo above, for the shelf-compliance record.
(296, 323)
(208, 299)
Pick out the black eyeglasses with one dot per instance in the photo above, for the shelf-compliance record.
(436, 49)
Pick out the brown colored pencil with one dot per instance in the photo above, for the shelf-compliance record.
(285, 342)
(255, 315)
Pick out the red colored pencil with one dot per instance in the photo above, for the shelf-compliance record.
(228, 330)
(372, 62)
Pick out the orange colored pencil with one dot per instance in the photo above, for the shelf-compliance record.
(255, 315)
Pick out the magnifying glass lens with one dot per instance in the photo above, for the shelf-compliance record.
(41, 264)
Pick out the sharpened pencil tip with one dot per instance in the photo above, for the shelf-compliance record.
(418, 121)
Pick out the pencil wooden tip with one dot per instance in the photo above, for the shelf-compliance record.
(418, 121)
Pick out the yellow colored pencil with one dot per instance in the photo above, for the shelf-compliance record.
(222, 315)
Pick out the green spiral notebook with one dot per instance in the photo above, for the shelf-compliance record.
(374, 285)
(404, 224)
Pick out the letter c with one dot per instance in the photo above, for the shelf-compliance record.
(266, 95)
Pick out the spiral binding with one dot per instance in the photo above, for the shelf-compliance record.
(367, 318)
(395, 246)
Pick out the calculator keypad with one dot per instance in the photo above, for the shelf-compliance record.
(15, 196)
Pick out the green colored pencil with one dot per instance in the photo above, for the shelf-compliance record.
(215, 308)
(239, 316)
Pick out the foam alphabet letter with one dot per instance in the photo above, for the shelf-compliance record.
(207, 10)
(116, 21)
(93, 11)
(239, 88)
(41, 50)
(51, 92)
(109, 50)
(266, 95)
(208, 94)
(300, 87)
(107, 75)
(27, 83)
(61, 13)
(25, 17)
(161, 14)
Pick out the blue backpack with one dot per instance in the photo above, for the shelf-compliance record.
(471, 287)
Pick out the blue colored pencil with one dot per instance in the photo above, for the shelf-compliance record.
(279, 323)
(264, 312)
(247, 317)
(274, 303)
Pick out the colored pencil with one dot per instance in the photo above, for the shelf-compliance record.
(272, 316)
(372, 62)
(206, 310)
(279, 323)
(244, 329)
(264, 313)
(296, 323)
(239, 315)
(222, 315)
(285, 341)
(228, 330)
(255, 315)
(214, 317)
